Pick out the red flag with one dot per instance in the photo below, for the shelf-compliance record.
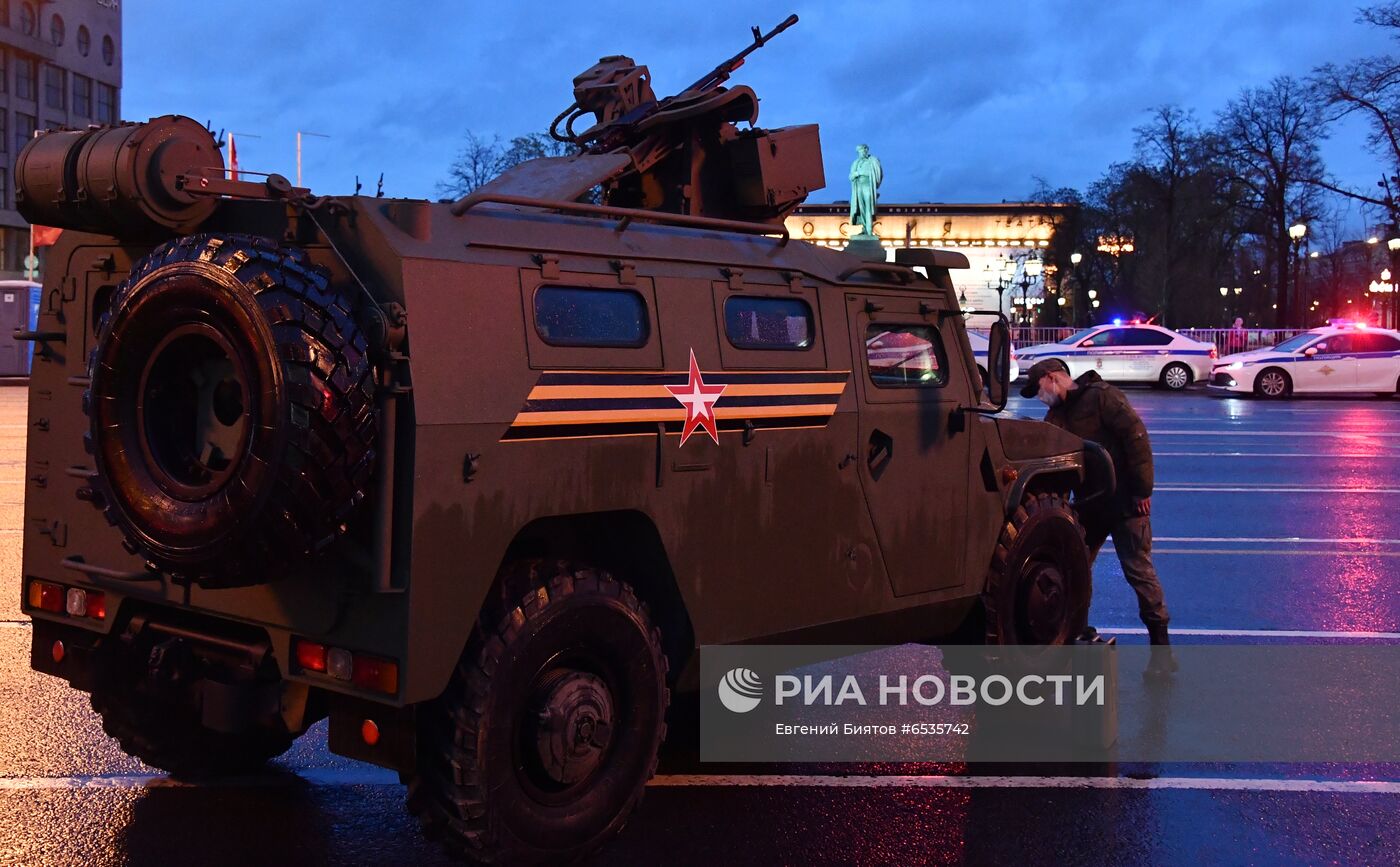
(45, 236)
(232, 159)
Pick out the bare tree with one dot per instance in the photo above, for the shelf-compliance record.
(1268, 138)
(482, 160)
(1370, 88)
(478, 161)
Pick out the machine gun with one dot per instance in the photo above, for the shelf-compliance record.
(685, 153)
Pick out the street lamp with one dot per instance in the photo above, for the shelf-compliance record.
(1296, 232)
(1077, 311)
(1388, 310)
(1029, 275)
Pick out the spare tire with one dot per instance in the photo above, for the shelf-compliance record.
(231, 409)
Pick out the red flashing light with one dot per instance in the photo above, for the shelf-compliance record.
(310, 655)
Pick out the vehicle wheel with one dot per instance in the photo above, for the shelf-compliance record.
(1039, 583)
(1176, 376)
(545, 738)
(1273, 383)
(231, 409)
(163, 729)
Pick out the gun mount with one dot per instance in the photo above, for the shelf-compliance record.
(684, 154)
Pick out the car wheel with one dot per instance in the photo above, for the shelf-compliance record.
(1176, 376)
(545, 738)
(1273, 383)
(1038, 586)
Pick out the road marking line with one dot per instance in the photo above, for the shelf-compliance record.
(336, 777)
(1346, 455)
(1265, 552)
(1260, 489)
(1028, 782)
(1271, 539)
(1272, 433)
(1257, 633)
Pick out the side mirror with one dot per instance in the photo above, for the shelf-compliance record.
(1311, 351)
(999, 363)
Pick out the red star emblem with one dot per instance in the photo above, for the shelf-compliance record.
(699, 402)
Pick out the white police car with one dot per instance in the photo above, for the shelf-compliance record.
(1130, 352)
(1342, 357)
(979, 352)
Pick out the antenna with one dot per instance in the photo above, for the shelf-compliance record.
(379, 193)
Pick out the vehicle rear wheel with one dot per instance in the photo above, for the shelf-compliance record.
(1273, 383)
(1039, 583)
(161, 724)
(231, 410)
(545, 738)
(1176, 376)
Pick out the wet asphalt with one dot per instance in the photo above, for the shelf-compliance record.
(1273, 522)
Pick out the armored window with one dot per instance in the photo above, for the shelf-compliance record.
(106, 103)
(905, 355)
(56, 30)
(569, 316)
(1147, 337)
(82, 95)
(25, 73)
(54, 90)
(109, 50)
(26, 19)
(768, 323)
(84, 40)
(25, 124)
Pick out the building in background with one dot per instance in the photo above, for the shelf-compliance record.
(60, 66)
(999, 240)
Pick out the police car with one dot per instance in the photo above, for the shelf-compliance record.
(979, 353)
(1130, 352)
(1341, 357)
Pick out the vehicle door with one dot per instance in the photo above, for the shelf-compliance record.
(1102, 353)
(1144, 353)
(912, 452)
(1377, 362)
(1328, 364)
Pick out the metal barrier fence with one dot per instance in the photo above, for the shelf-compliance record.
(1226, 340)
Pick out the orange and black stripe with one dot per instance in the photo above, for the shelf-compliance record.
(599, 403)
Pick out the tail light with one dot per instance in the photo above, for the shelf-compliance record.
(361, 670)
(1214, 353)
(74, 601)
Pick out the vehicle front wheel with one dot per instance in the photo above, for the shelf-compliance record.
(1039, 584)
(545, 738)
(1273, 383)
(1176, 376)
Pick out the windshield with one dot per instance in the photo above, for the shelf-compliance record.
(1079, 335)
(1293, 344)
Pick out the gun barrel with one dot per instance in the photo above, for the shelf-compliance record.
(721, 73)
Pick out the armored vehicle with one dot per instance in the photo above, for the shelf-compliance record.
(475, 480)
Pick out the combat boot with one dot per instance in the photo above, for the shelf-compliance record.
(1162, 662)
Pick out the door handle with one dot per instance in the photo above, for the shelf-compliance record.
(881, 449)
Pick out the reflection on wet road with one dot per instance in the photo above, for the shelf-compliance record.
(1273, 522)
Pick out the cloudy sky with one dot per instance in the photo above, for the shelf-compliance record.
(962, 100)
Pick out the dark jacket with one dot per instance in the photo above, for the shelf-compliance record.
(1097, 411)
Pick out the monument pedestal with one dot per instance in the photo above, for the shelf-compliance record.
(866, 247)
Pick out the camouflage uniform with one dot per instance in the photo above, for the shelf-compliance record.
(1097, 411)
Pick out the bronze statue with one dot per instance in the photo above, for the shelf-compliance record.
(866, 176)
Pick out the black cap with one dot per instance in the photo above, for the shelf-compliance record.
(1039, 371)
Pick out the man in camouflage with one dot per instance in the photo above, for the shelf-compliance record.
(1094, 410)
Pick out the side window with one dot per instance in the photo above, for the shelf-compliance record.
(571, 316)
(1107, 337)
(1147, 337)
(905, 356)
(752, 322)
(1335, 344)
(1383, 343)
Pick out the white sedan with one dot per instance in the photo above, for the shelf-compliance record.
(979, 352)
(1336, 358)
(1130, 352)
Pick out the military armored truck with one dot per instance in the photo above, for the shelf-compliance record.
(475, 480)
